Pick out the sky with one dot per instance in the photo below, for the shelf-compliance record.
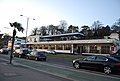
(47, 12)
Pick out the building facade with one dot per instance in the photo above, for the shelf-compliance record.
(79, 46)
(17, 44)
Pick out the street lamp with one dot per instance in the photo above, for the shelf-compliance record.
(27, 28)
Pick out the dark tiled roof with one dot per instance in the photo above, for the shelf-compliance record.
(63, 35)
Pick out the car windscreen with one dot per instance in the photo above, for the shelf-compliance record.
(25, 51)
(115, 59)
(41, 53)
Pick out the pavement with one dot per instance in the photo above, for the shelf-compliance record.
(18, 72)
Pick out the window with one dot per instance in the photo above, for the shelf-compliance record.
(101, 58)
(93, 49)
(18, 43)
(67, 47)
(45, 46)
(90, 58)
(105, 49)
(59, 47)
(18, 40)
(52, 46)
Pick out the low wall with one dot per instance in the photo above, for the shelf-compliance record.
(95, 54)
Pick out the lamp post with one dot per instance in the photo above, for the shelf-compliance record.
(27, 28)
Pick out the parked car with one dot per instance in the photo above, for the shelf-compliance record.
(37, 55)
(107, 64)
(4, 50)
(50, 51)
(116, 55)
(16, 52)
(22, 53)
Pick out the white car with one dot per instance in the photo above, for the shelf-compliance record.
(4, 50)
(51, 51)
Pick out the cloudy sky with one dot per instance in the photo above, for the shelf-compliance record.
(46, 12)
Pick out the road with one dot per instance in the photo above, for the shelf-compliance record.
(60, 70)
(60, 61)
(68, 63)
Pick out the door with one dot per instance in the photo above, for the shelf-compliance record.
(100, 61)
(89, 61)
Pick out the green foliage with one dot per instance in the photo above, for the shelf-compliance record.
(67, 56)
(18, 26)
(72, 29)
(4, 40)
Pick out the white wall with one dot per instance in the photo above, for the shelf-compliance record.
(18, 42)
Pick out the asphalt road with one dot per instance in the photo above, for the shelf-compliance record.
(68, 63)
(60, 61)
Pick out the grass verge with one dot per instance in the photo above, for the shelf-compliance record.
(67, 56)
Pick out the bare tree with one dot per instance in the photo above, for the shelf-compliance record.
(116, 25)
(63, 26)
(97, 24)
(34, 31)
(52, 30)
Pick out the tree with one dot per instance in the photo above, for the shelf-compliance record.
(116, 26)
(118, 22)
(72, 29)
(97, 24)
(101, 32)
(43, 30)
(106, 30)
(52, 30)
(35, 31)
(19, 27)
(4, 38)
(85, 30)
(96, 28)
(89, 34)
(63, 26)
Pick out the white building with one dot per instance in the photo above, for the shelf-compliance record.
(80, 46)
(17, 43)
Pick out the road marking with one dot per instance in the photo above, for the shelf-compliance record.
(10, 74)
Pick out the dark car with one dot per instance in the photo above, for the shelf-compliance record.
(37, 55)
(107, 64)
(4, 50)
(116, 55)
(23, 53)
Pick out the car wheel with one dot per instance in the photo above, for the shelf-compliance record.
(107, 70)
(76, 65)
